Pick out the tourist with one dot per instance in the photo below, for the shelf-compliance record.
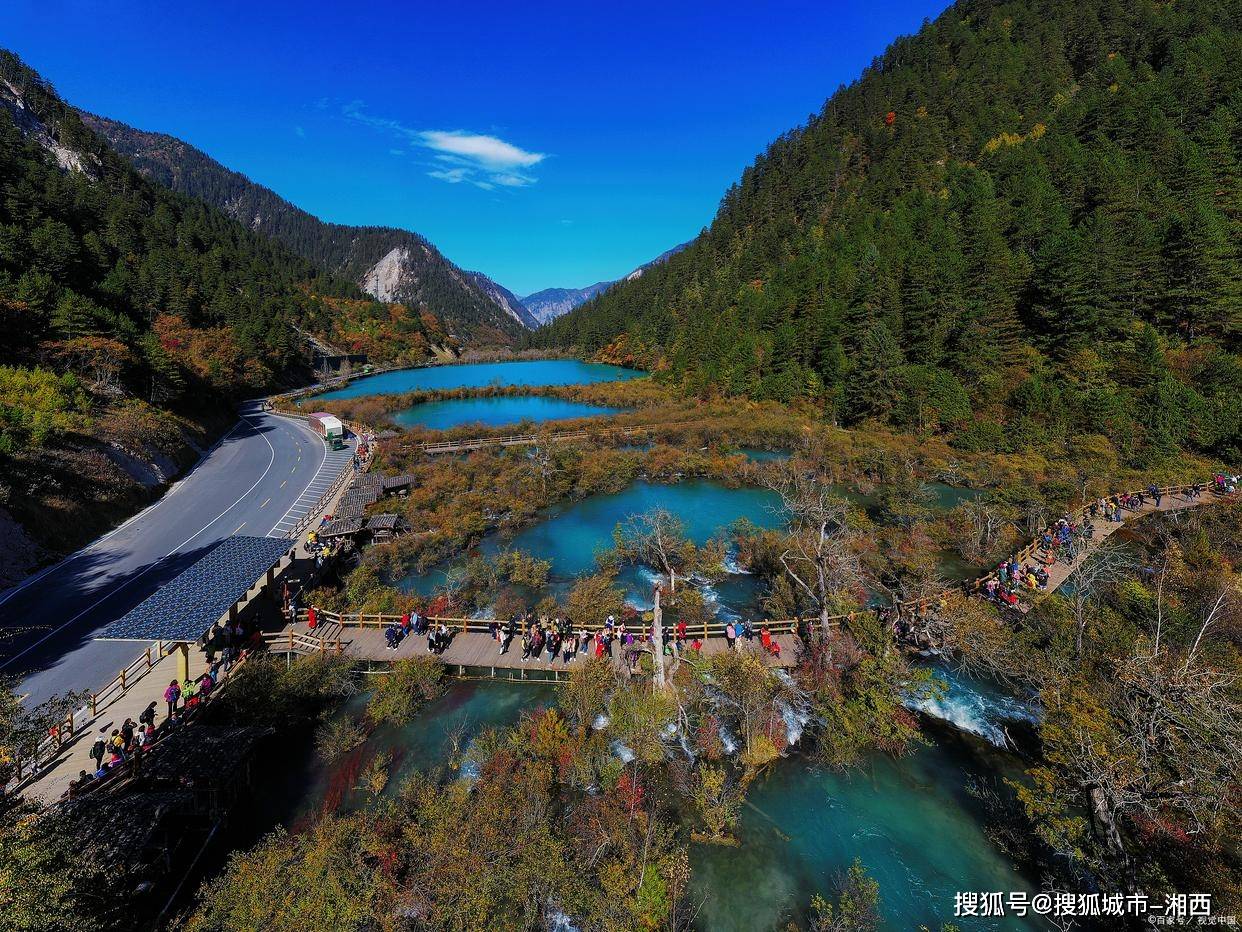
(116, 744)
(99, 748)
(697, 646)
(527, 643)
(730, 635)
(392, 634)
(765, 639)
(171, 695)
(148, 715)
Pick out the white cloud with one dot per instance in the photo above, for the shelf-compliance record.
(300, 132)
(476, 158)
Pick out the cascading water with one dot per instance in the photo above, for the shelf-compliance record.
(975, 706)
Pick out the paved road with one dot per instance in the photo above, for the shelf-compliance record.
(257, 480)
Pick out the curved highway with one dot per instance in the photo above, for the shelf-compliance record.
(257, 480)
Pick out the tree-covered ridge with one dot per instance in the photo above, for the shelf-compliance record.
(435, 283)
(1023, 221)
(127, 289)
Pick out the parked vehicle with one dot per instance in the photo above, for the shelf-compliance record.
(329, 427)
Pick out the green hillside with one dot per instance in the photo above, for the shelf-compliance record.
(1023, 222)
(430, 281)
(131, 318)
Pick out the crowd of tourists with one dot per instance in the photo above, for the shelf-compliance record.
(560, 640)
(412, 624)
(123, 747)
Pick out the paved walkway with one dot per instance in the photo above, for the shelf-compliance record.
(54, 780)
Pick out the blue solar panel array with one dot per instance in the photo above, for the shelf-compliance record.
(185, 607)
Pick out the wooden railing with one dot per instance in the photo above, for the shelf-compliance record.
(49, 748)
(716, 629)
(1083, 513)
(641, 628)
(297, 642)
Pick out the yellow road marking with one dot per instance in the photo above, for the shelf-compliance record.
(239, 527)
(265, 501)
(282, 484)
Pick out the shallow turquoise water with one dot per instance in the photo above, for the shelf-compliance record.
(765, 456)
(475, 375)
(570, 535)
(496, 412)
(909, 821)
(421, 745)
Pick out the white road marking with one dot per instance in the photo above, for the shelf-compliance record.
(144, 572)
(31, 580)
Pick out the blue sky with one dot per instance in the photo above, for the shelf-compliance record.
(544, 144)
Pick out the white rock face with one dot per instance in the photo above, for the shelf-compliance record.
(68, 159)
(384, 280)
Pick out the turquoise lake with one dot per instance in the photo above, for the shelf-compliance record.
(495, 412)
(910, 821)
(480, 374)
(569, 536)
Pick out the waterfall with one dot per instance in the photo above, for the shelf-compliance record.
(975, 706)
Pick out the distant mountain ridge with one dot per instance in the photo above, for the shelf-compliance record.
(505, 298)
(388, 263)
(551, 303)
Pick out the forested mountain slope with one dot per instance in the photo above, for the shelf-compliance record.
(388, 263)
(1022, 222)
(131, 318)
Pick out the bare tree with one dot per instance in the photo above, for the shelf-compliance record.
(819, 557)
(657, 538)
(1108, 565)
(540, 452)
(987, 523)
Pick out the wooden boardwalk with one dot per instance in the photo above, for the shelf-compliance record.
(1102, 529)
(478, 654)
(75, 753)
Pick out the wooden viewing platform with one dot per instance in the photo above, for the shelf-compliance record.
(473, 652)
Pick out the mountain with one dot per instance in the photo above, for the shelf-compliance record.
(1020, 226)
(551, 303)
(131, 318)
(505, 298)
(390, 264)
